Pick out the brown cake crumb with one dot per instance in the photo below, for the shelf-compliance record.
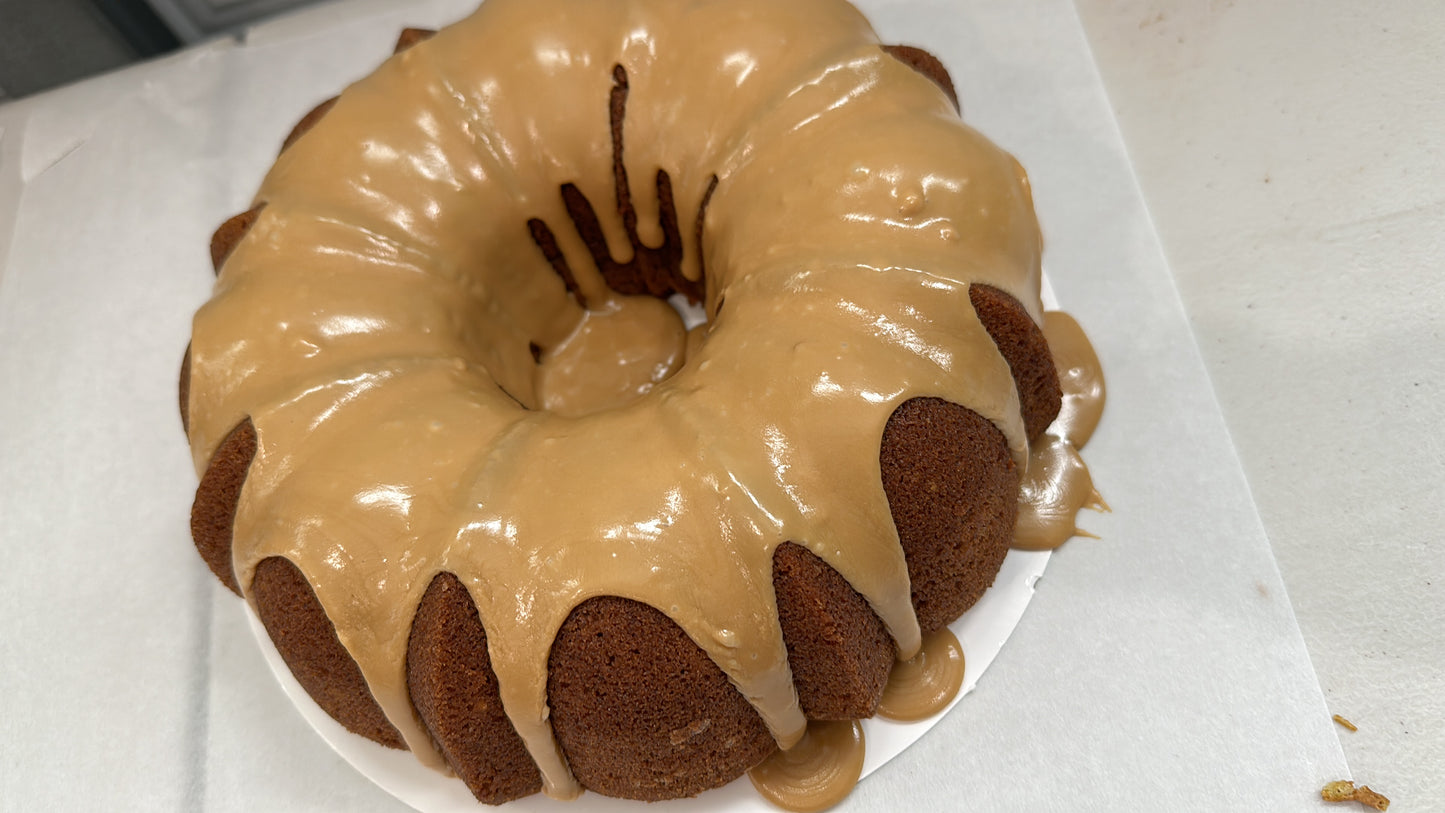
(1346, 723)
(1345, 791)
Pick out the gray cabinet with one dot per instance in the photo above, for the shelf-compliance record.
(193, 20)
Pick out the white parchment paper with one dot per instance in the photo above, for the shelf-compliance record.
(1158, 668)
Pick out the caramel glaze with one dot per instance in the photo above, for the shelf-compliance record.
(926, 683)
(1057, 483)
(378, 331)
(818, 772)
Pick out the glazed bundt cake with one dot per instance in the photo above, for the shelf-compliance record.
(490, 498)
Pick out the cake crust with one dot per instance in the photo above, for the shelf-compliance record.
(213, 514)
(306, 640)
(838, 648)
(224, 241)
(1023, 346)
(953, 490)
(450, 679)
(640, 711)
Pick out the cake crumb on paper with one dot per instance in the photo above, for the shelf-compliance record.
(1345, 791)
(1346, 723)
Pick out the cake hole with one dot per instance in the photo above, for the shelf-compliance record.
(636, 314)
(618, 353)
(693, 314)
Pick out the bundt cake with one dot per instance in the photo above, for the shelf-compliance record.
(490, 498)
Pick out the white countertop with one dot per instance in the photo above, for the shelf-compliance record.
(1291, 160)
(1292, 155)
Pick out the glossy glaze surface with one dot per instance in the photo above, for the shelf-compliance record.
(816, 773)
(376, 326)
(1057, 482)
(926, 683)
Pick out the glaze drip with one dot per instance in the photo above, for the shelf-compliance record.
(816, 773)
(925, 684)
(1057, 483)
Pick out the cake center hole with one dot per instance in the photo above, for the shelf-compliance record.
(618, 353)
